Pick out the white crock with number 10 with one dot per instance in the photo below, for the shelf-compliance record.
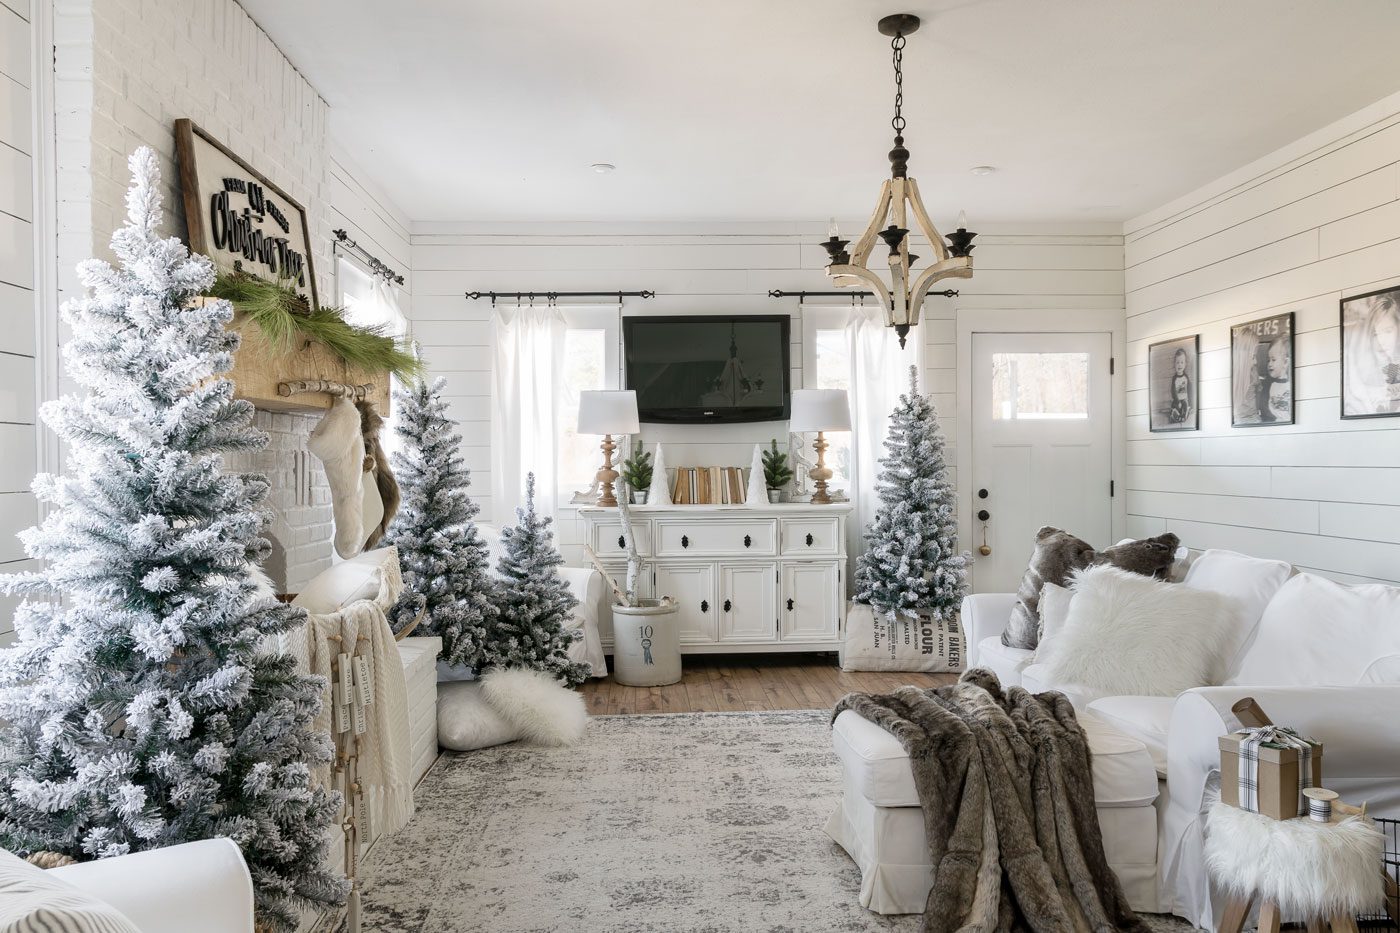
(646, 644)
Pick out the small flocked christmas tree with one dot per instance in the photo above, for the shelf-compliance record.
(535, 603)
(144, 708)
(911, 563)
(446, 567)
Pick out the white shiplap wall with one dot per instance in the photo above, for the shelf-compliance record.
(711, 269)
(18, 448)
(1296, 231)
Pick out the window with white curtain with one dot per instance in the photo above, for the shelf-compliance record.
(828, 366)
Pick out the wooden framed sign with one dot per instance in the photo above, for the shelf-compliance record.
(236, 214)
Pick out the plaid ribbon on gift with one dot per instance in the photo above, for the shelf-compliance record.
(1278, 737)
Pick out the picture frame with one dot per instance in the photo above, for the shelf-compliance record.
(240, 218)
(1261, 372)
(1369, 329)
(1173, 383)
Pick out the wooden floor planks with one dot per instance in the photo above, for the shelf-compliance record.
(735, 683)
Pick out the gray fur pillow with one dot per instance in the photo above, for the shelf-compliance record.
(1151, 557)
(1057, 555)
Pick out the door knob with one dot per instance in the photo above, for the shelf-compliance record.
(748, 541)
(809, 539)
(981, 493)
(685, 541)
(621, 541)
(728, 605)
(983, 515)
(789, 605)
(704, 605)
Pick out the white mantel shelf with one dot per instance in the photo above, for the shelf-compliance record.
(746, 578)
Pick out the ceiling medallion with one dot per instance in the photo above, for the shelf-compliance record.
(899, 198)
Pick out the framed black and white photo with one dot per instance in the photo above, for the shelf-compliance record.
(1371, 354)
(1261, 371)
(1172, 385)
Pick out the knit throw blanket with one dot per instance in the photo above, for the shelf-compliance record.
(1004, 781)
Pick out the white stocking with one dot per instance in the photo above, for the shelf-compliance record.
(340, 446)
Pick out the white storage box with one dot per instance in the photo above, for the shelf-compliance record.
(420, 678)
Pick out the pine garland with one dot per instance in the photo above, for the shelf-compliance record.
(535, 603)
(140, 706)
(912, 564)
(446, 567)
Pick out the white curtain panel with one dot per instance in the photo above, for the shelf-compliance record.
(879, 374)
(529, 348)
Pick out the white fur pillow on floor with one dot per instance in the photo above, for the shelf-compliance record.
(506, 705)
(1131, 635)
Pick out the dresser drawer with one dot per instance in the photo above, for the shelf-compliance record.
(810, 536)
(607, 538)
(681, 538)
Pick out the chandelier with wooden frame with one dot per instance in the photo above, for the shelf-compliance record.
(899, 201)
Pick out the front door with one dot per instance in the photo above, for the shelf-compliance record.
(1041, 447)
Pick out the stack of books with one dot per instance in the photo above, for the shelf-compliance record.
(708, 486)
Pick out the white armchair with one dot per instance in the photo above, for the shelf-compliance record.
(201, 886)
(1361, 761)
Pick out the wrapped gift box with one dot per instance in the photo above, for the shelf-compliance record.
(1277, 778)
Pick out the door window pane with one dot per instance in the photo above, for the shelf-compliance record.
(1040, 386)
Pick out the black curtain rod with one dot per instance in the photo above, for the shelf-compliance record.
(551, 296)
(844, 293)
(376, 265)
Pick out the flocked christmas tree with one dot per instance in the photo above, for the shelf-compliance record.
(911, 563)
(535, 602)
(446, 566)
(141, 707)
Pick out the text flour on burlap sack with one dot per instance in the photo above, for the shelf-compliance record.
(887, 641)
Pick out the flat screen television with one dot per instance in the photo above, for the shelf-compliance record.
(701, 369)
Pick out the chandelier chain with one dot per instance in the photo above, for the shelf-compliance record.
(897, 45)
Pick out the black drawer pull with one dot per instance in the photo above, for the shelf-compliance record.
(789, 605)
(622, 542)
(748, 541)
(728, 605)
(809, 539)
(685, 541)
(704, 605)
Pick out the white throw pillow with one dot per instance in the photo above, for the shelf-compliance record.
(359, 577)
(1319, 632)
(543, 710)
(1247, 583)
(1054, 613)
(33, 901)
(1131, 635)
(466, 721)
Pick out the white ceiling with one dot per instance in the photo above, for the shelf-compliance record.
(779, 109)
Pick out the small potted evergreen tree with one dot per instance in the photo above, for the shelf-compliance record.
(776, 472)
(637, 472)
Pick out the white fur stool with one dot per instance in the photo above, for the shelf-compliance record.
(1300, 869)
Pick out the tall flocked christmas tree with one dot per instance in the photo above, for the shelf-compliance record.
(444, 559)
(911, 563)
(144, 709)
(535, 602)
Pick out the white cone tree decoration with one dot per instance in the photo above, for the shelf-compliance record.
(757, 492)
(141, 707)
(911, 564)
(660, 492)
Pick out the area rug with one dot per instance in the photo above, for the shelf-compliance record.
(682, 823)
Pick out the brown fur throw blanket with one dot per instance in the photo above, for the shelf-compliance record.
(1008, 798)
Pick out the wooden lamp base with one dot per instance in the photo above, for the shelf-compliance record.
(607, 476)
(820, 473)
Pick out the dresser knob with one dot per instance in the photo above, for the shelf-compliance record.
(622, 542)
(728, 605)
(809, 539)
(789, 605)
(704, 605)
(685, 541)
(748, 541)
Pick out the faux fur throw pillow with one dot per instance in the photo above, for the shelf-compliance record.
(1151, 557)
(1057, 555)
(1130, 635)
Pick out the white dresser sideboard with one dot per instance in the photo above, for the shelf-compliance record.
(747, 579)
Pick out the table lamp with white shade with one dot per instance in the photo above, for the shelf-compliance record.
(608, 413)
(820, 410)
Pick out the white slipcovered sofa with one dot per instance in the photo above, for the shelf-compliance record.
(1319, 656)
(201, 886)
